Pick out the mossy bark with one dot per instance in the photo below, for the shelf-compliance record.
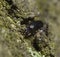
(12, 40)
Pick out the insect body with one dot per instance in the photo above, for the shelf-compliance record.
(33, 27)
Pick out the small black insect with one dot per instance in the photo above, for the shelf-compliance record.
(33, 27)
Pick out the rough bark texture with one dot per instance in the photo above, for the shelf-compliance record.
(19, 39)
